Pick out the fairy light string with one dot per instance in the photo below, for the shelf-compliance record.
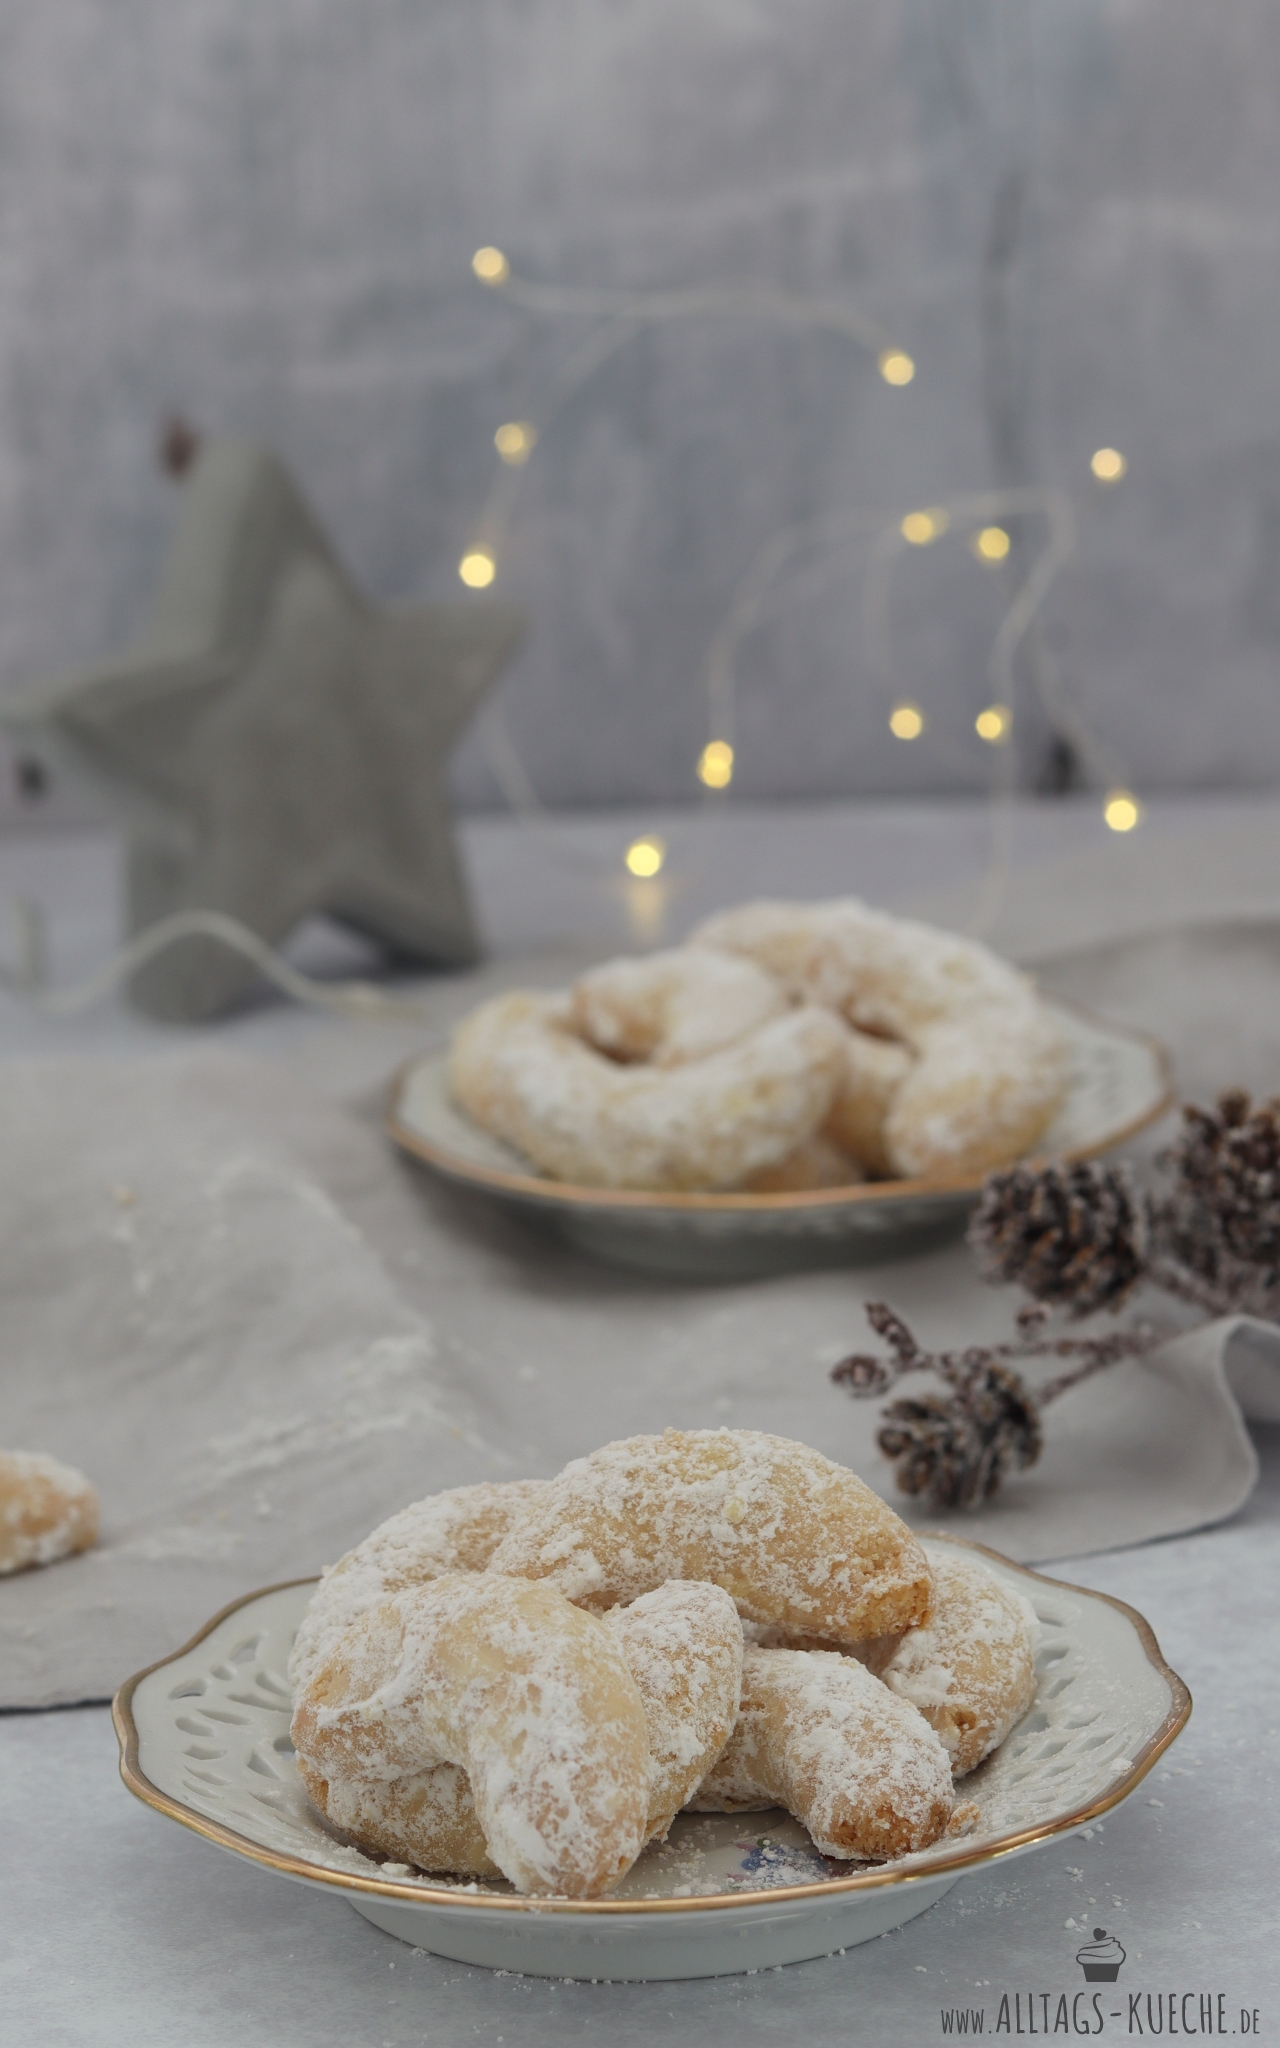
(792, 568)
(801, 560)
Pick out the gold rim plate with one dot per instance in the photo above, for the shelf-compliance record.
(568, 1195)
(948, 1862)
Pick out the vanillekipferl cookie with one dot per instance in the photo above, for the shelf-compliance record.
(970, 1670)
(507, 1681)
(530, 1680)
(784, 1046)
(457, 1531)
(681, 1643)
(819, 1735)
(48, 1510)
(795, 1539)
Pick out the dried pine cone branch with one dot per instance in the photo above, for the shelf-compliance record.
(1217, 1232)
(863, 1375)
(957, 1451)
(1081, 1238)
(1074, 1236)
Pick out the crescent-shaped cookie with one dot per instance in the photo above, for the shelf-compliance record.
(796, 1540)
(528, 1695)
(682, 1645)
(521, 1069)
(816, 1733)
(457, 1531)
(971, 1669)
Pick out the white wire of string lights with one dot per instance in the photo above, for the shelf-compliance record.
(786, 573)
(792, 567)
(28, 974)
(802, 560)
(620, 316)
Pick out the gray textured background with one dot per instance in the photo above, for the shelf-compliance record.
(1065, 210)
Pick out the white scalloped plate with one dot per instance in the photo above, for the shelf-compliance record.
(1120, 1082)
(204, 1738)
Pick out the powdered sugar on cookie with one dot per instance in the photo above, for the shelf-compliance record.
(795, 1539)
(822, 1737)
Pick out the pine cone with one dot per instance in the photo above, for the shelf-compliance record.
(1222, 1219)
(1073, 1236)
(958, 1451)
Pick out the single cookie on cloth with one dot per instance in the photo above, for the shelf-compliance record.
(508, 1682)
(519, 1066)
(47, 1510)
(457, 1531)
(971, 1669)
(816, 1733)
(796, 1540)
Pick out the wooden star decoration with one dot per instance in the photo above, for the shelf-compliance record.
(275, 744)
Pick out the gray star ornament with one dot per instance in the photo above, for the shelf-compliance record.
(274, 744)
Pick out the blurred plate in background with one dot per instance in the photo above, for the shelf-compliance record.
(1121, 1081)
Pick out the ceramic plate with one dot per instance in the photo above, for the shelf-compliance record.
(204, 1738)
(1120, 1082)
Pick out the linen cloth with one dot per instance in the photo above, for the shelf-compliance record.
(260, 1331)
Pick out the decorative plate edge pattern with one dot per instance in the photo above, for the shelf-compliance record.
(955, 1863)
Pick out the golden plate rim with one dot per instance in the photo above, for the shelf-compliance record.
(953, 1864)
(529, 1187)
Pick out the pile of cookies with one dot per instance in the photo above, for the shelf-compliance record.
(785, 1046)
(531, 1680)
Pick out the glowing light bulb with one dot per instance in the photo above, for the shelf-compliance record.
(1108, 465)
(715, 764)
(644, 857)
(991, 545)
(994, 724)
(922, 527)
(491, 266)
(906, 722)
(477, 569)
(514, 441)
(1121, 811)
(896, 366)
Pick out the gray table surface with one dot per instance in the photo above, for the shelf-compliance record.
(120, 1928)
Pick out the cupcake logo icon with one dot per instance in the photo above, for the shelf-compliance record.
(1100, 1959)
